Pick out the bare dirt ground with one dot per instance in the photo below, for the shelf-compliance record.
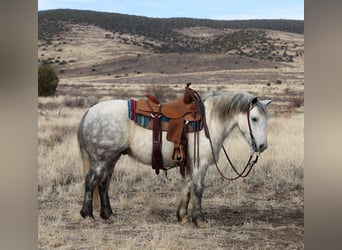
(263, 211)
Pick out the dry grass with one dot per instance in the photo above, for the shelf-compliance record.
(264, 211)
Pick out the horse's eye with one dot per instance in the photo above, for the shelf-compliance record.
(254, 119)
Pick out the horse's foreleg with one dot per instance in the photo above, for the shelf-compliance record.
(182, 211)
(197, 214)
(90, 184)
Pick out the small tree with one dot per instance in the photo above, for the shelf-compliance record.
(47, 81)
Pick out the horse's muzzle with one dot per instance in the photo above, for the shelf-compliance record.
(261, 148)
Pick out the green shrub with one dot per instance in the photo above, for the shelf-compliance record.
(47, 81)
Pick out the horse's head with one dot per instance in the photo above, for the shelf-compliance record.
(253, 124)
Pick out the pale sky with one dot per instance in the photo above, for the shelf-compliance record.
(212, 9)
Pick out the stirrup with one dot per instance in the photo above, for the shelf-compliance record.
(178, 154)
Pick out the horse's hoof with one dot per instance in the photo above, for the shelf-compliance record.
(87, 215)
(185, 220)
(111, 219)
(106, 215)
(201, 223)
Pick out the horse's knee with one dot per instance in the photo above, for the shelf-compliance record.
(198, 191)
(91, 181)
(103, 184)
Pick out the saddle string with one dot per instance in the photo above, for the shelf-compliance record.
(200, 106)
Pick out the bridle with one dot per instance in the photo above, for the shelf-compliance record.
(247, 169)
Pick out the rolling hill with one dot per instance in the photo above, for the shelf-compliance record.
(78, 42)
(162, 34)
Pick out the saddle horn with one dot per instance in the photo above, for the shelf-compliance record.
(187, 95)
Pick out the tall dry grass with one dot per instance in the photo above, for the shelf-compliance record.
(283, 160)
(58, 154)
(144, 204)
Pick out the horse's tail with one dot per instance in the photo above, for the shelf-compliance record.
(86, 161)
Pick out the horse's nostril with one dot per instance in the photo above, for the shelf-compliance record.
(262, 147)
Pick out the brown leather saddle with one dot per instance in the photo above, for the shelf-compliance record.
(179, 113)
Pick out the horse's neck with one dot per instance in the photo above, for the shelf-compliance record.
(219, 129)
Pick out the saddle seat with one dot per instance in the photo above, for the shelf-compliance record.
(172, 110)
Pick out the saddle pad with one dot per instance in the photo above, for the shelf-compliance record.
(146, 121)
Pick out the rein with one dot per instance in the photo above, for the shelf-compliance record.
(250, 162)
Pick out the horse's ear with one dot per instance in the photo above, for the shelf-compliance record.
(254, 100)
(266, 102)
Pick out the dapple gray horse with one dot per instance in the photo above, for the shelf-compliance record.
(106, 132)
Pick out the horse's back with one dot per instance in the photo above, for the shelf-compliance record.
(105, 127)
(109, 110)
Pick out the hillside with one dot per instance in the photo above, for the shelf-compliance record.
(80, 43)
(165, 34)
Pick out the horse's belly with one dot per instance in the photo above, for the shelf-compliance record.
(141, 146)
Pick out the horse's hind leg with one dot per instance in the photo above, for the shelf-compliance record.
(97, 176)
(90, 184)
(106, 210)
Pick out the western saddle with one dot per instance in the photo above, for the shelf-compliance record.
(179, 113)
